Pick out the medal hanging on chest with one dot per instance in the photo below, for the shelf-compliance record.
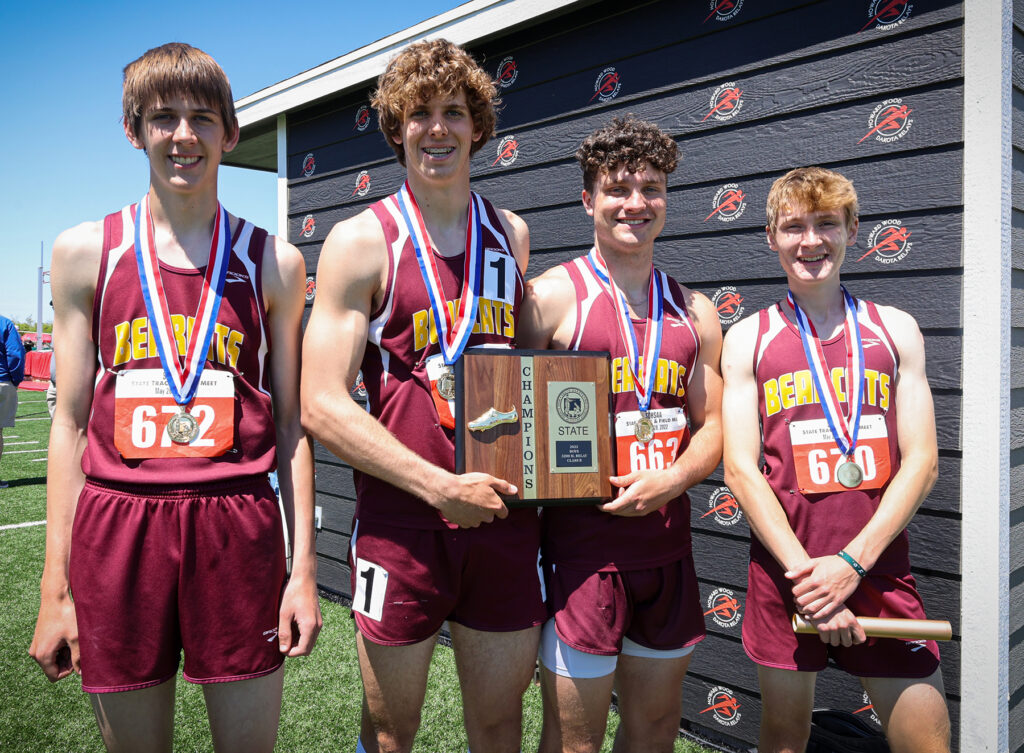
(453, 326)
(183, 380)
(843, 426)
(643, 367)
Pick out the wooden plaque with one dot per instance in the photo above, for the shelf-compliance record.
(539, 419)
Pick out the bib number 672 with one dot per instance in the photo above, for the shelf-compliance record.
(146, 430)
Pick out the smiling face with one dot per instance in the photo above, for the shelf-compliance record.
(185, 141)
(628, 209)
(438, 136)
(811, 244)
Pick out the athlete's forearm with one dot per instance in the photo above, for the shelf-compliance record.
(65, 480)
(765, 515)
(357, 438)
(701, 455)
(897, 507)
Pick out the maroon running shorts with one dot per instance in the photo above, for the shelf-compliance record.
(406, 582)
(656, 607)
(768, 636)
(154, 571)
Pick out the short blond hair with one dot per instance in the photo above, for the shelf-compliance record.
(813, 188)
(176, 69)
(429, 69)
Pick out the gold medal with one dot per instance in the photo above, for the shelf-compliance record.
(446, 383)
(644, 429)
(182, 428)
(850, 475)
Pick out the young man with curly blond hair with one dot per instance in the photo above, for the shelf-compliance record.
(427, 545)
(832, 391)
(620, 576)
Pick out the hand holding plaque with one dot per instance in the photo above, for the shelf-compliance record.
(538, 419)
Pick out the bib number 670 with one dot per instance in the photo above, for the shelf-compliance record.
(821, 471)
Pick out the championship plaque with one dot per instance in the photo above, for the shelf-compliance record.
(539, 419)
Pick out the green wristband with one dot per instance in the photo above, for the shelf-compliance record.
(851, 562)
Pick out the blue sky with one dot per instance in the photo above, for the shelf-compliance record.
(67, 158)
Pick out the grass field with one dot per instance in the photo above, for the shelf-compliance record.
(322, 691)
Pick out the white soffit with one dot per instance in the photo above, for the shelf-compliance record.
(463, 25)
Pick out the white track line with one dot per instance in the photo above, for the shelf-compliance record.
(44, 418)
(23, 525)
(27, 441)
(22, 452)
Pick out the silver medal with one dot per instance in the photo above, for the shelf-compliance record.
(446, 384)
(849, 474)
(644, 429)
(182, 428)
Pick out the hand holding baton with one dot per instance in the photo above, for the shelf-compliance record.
(890, 627)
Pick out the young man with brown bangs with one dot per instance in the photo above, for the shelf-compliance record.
(832, 389)
(620, 577)
(163, 533)
(401, 288)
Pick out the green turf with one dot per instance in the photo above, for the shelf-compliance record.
(321, 695)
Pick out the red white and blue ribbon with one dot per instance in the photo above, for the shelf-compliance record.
(642, 368)
(453, 331)
(844, 426)
(182, 380)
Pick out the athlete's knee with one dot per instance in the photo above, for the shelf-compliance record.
(395, 731)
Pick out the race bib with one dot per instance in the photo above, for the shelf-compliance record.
(499, 276)
(371, 585)
(143, 406)
(660, 451)
(445, 407)
(818, 459)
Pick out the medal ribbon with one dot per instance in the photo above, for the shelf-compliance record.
(838, 423)
(453, 332)
(183, 381)
(643, 370)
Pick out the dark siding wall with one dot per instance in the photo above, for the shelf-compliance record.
(816, 78)
(1016, 703)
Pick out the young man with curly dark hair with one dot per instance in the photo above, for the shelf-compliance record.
(620, 577)
(427, 545)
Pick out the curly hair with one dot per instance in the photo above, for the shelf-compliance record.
(813, 188)
(628, 142)
(176, 69)
(429, 69)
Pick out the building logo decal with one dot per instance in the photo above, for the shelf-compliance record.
(722, 503)
(723, 607)
(606, 85)
(310, 288)
(888, 241)
(726, 102)
(723, 705)
(868, 709)
(729, 304)
(888, 14)
(723, 10)
(362, 184)
(889, 121)
(729, 204)
(309, 165)
(508, 72)
(508, 150)
(362, 118)
(308, 226)
(359, 388)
